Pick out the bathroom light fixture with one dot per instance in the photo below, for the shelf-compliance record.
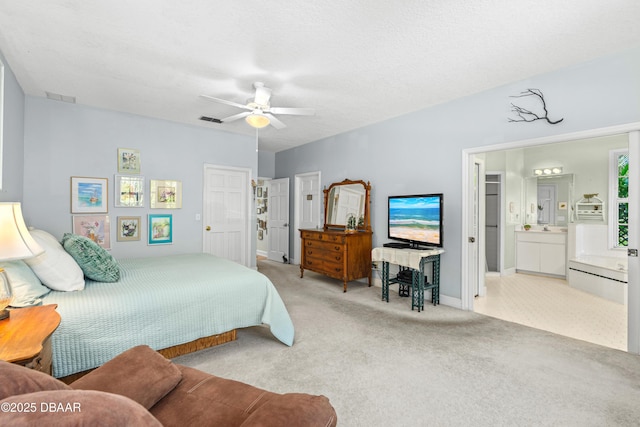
(257, 120)
(555, 170)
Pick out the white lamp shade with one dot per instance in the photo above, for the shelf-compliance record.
(15, 240)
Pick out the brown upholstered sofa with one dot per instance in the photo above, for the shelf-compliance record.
(142, 388)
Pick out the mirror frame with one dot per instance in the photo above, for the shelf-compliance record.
(367, 191)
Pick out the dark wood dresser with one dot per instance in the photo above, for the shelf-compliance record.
(336, 253)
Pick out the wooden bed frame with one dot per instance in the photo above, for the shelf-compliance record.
(175, 351)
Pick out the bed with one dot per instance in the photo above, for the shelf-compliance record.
(162, 302)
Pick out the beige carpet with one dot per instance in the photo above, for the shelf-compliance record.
(382, 364)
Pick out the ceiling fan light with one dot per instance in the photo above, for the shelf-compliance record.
(257, 121)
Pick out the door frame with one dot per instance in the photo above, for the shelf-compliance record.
(297, 196)
(251, 234)
(631, 129)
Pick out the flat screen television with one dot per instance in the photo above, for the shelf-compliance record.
(416, 219)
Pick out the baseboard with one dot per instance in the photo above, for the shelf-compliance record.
(509, 271)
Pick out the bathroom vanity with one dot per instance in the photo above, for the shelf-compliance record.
(542, 252)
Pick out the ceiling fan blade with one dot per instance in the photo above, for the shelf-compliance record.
(235, 117)
(293, 111)
(275, 122)
(224, 101)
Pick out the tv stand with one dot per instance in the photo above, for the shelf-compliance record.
(416, 261)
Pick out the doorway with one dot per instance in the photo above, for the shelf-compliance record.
(493, 222)
(632, 132)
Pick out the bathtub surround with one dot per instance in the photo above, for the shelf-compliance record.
(595, 268)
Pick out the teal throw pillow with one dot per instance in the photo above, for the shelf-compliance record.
(96, 263)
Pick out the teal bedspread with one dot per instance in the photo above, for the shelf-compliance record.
(162, 302)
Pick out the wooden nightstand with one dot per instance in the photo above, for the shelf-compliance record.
(25, 337)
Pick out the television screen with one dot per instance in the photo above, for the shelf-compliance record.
(416, 219)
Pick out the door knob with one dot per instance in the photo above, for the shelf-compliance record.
(472, 239)
(208, 228)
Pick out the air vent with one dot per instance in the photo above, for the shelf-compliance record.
(210, 119)
(63, 98)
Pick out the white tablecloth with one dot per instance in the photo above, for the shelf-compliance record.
(406, 257)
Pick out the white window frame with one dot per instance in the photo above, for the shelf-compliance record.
(613, 198)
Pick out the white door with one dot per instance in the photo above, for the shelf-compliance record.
(278, 221)
(226, 213)
(634, 244)
(308, 208)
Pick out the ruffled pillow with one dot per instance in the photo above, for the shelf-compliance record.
(25, 285)
(96, 263)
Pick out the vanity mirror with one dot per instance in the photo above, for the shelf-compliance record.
(344, 200)
(342, 249)
(548, 200)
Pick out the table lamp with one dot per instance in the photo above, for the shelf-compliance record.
(15, 243)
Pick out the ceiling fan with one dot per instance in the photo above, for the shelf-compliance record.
(260, 113)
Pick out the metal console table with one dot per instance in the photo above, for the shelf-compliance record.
(415, 259)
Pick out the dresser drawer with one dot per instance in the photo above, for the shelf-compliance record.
(320, 265)
(324, 246)
(326, 255)
(325, 237)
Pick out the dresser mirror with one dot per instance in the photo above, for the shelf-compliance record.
(346, 199)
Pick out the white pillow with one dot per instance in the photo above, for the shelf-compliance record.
(25, 285)
(55, 268)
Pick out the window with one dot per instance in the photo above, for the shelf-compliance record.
(619, 198)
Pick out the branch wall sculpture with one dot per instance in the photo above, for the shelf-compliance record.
(525, 115)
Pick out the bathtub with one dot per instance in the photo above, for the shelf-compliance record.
(602, 276)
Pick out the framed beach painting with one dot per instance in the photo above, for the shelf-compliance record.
(129, 191)
(165, 194)
(128, 160)
(160, 229)
(89, 195)
(129, 228)
(93, 227)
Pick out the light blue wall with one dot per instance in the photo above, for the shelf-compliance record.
(266, 164)
(13, 129)
(63, 140)
(421, 152)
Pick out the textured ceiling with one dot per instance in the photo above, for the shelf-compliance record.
(355, 62)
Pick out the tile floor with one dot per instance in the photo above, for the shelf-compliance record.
(552, 305)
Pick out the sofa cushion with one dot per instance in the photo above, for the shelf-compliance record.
(16, 379)
(96, 263)
(55, 268)
(139, 373)
(74, 408)
(293, 409)
(206, 399)
(25, 285)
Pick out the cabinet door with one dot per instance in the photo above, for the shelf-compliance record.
(552, 259)
(528, 256)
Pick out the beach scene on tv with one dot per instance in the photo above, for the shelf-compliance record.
(415, 218)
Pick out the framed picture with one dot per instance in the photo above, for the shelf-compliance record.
(128, 160)
(89, 195)
(259, 191)
(562, 205)
(129, 228)
(160, 229)
(129, 191)
(94, 227)
(165, 194)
